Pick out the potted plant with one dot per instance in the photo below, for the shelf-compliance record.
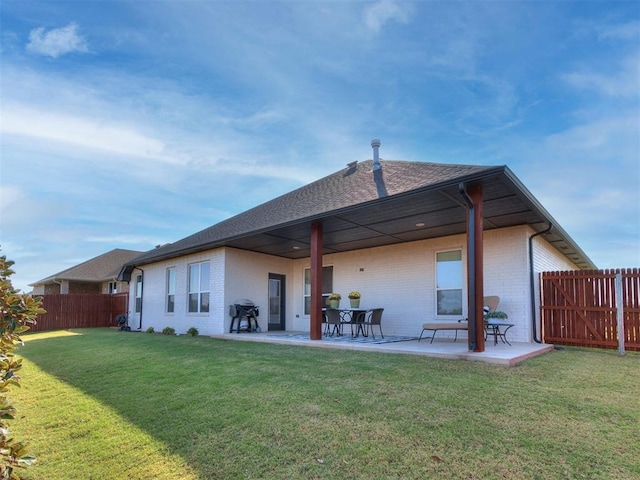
(354, 299)
(495, 315)
(334, 300)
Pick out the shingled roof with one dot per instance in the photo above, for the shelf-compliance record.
(361, 207)
(102, 268)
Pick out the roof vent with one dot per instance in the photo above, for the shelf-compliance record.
(375, 144)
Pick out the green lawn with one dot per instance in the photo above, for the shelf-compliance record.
(104, 404)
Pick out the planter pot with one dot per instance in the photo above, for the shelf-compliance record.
(334, 303)
(355, 302)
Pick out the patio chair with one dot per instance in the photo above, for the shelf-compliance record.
(491, 303)
(373, 318)
(334, 322)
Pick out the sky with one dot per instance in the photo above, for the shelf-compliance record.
(136, 123)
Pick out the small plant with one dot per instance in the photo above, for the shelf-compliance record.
(498, 314)
(193, 331)
(354, 295)
(150, 330)
(335, 296)
(168, 331)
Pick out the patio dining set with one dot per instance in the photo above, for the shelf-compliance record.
(361, 321)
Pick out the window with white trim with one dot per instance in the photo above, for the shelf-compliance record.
(198, 299)
(327, 287)
(171, 289)
(449, 283)
(138, 293)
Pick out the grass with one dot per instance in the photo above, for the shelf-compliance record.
(104, 404)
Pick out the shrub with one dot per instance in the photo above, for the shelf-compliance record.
(18, 312)
(193, 331)
(150, 330)
(168, 331)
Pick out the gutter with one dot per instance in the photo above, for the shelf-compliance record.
(531, 283)
(141, 297)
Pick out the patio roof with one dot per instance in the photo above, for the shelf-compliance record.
(361, 208)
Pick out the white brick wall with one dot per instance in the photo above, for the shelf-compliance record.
(399, 278)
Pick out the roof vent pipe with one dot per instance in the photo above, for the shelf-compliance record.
(375, 144)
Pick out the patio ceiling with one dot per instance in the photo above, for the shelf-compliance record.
(431, 212)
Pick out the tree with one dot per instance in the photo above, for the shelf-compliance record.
(18, 312)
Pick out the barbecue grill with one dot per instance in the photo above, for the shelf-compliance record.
(244, 315)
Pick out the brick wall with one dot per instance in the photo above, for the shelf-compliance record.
(399, 278)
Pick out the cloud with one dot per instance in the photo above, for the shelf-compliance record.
(625, 31)
(112, 137)
(377, 15)
(56, 42)
(622, 83)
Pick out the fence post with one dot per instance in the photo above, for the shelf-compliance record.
(620, 313)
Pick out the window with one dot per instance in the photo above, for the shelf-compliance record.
(327, 287)
(113, 287)
(138, 293)
(171, 289)
(199, 287)
(449, 283)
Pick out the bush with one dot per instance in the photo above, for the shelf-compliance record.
(150, 330)
(18, 312)
(168, 331)
(193, 331)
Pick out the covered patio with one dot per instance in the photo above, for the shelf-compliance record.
(500, 354)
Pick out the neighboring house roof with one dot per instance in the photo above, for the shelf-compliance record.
(102, 268)
(360, 207)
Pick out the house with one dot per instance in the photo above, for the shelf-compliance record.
(425, 241)
(97, 275)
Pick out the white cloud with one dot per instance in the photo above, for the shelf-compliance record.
(623, 83)
(113, 137)
(625, 31)
(57, 42)
(377, 15)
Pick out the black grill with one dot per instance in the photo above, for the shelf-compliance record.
(244, 316)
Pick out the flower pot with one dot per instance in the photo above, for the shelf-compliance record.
(355, 302)
(334, 303)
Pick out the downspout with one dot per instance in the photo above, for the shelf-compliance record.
(141, 297)
(471, 275)
(532, 285)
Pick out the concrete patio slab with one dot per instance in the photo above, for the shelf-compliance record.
(500, 354)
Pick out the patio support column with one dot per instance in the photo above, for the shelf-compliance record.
(475, 265)
(316, 282)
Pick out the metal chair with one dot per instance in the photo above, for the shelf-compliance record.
(333, 322)
(374, 318)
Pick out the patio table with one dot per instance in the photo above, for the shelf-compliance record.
(493, 327)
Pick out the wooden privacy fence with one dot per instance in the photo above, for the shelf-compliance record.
(80, 311)
(584, 308)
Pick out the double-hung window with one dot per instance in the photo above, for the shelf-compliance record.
(199, 287)
(327, 287)
(171, 290)
(449, 283)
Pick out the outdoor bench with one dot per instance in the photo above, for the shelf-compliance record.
(455, 326)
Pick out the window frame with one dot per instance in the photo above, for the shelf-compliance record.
(202, 296)
(170, 296)
(327, 282)
(449, 287)
(138, 293)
